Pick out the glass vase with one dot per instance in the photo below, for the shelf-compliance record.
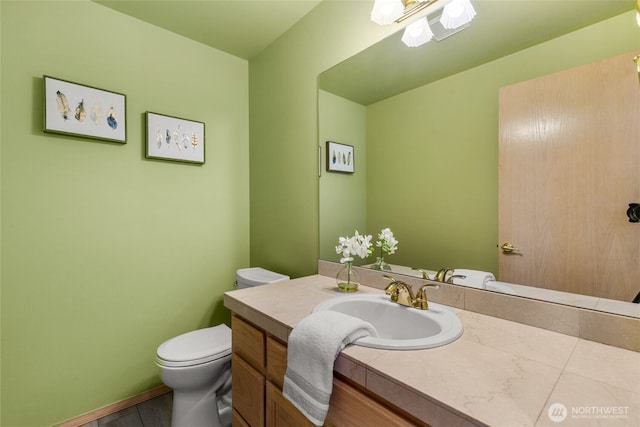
(381, 265)
(347, 278)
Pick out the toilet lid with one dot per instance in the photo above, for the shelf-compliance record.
(196, 347)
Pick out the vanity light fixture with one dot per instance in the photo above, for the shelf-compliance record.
(638, 12)
(417, 33)
(455, 16)
(386, 12)
(457, 13)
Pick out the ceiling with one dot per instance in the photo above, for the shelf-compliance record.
(240, 27)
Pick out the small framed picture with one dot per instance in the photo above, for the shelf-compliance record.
(173, 138)
(340, 157)
(79, 110)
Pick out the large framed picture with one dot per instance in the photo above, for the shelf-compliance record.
(80, 110)
(173, 138)
(340, 157)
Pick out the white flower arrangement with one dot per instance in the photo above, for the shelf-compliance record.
(386, 242)
(357, 245)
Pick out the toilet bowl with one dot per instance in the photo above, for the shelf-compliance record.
(197, 366)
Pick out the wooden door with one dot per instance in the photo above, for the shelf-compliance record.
(569, 165)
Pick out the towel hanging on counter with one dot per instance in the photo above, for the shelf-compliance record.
(313, 346)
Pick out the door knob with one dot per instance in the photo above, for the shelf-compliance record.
(509, 248)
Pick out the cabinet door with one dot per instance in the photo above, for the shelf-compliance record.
(276, 361)
(247, 342)
(281, 412)
(248, 392)
(350, 407)
(237, 420)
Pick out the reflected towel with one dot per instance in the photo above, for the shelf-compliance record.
(472, 278)
(313, 347)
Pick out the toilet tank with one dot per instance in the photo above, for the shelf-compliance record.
(256, 276)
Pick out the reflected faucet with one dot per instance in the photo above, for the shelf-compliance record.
(441, 275)
(425, 275)
(455, 276)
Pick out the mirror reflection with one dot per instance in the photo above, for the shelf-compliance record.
(424, 124)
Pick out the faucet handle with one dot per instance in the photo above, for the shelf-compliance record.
(421, 302)
(425, 275)
(392, 288)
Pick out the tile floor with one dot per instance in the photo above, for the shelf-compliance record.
(152, 413)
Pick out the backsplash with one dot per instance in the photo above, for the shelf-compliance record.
(605, 328)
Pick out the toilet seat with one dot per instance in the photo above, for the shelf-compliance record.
(195, 347)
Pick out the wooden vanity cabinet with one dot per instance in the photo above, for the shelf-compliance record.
(258, 366)
(247, 373)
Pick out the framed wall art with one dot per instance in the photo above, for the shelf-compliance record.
(173, 138)
(340, 157)
(80, 110)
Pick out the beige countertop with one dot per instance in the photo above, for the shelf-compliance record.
(498, 373)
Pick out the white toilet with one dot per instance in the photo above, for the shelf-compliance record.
(197, 366)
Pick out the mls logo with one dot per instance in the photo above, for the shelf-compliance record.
(557, 412)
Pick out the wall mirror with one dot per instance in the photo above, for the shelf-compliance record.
(424, 126)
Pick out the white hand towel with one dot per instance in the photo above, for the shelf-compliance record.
(313, 347)
(472, 278)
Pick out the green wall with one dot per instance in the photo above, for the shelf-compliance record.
(105, 254)
(284, 131)
(433, 151)
(344, 121)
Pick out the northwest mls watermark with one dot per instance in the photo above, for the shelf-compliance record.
(558, 412)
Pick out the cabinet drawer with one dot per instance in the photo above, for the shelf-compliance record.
(276, 361)
(248, 392)
(248, 342)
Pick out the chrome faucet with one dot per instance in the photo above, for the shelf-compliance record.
(402, 293)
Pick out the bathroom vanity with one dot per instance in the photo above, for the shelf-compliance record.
(259, 363)
(498, 373)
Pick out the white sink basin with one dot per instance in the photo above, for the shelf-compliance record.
(398, 327)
